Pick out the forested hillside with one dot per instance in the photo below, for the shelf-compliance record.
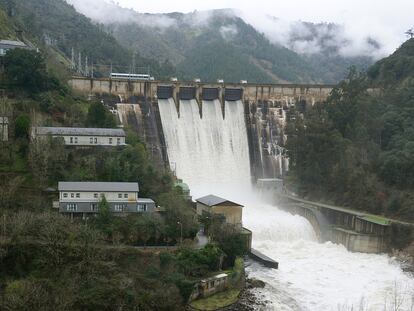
(358, 148)
(222, 47)
(219, 44)
(50, 262)
(58, 27)
(223, 44)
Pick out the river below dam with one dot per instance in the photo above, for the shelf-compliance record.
(211, 155)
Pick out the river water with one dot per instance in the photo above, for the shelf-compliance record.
(211, 155)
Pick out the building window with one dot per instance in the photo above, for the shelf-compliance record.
(71, 140)
(119, 195)
(118, 141)
(65, 195)
(119, 207)
(71, 207)
(76, 140)
(96, 140)
(142, 207)
(72, 195)
(94, 207)
(110, 141)
(78, 195)
(91, 140)
(125, 195)
(95, 195)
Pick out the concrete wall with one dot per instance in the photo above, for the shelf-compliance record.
(232, 213)
(343, 228)
(358, 242)
(251, 92)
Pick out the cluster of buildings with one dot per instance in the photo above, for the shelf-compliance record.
(82, 199)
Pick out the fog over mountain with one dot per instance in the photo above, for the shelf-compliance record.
(347, 40)
(265, 47)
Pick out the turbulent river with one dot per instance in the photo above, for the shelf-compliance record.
(211, 155)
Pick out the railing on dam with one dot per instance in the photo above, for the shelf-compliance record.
(207, 91)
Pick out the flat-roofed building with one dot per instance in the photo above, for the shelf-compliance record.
(4, 129)
(215, 205)
(82, 198)
(75, 136)
(7, 45)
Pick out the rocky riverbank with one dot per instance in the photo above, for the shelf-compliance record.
(248, 300)
(406, 258)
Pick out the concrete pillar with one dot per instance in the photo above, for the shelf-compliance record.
(198, 98)
(176, 99)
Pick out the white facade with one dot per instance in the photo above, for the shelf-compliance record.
(95, 196)
(83, 198)
(92, 140)
(83, 136)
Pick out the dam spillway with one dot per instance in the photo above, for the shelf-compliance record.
(211, 154)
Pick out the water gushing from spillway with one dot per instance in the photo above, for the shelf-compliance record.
(211, 155)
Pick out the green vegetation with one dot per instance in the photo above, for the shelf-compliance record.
(225, 46)
(56, 27)
(47, 261)
(98, 117)
(228, 297)
(217, 301)
(357, 149)
(228, 238)
(26, 70)
(50, 263)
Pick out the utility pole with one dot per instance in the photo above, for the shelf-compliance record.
(80, 63)
(133, 62)
(73, 59)
(86, 66)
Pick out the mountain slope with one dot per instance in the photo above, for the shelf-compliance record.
(54, 24)
(358, 149)
(311, 53)
(396, 68)
(223, 47)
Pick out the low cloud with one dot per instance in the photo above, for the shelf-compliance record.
(107, 11)
(346, 39)
(228, 32)
(353, 38)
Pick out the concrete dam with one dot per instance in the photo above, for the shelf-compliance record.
(266, 110)
(217, 138)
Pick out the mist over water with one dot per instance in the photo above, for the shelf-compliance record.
(211, 155)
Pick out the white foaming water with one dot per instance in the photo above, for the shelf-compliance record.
(212, 156)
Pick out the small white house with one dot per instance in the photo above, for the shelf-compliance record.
(83, 198)
(74, 136)
(4, 129)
